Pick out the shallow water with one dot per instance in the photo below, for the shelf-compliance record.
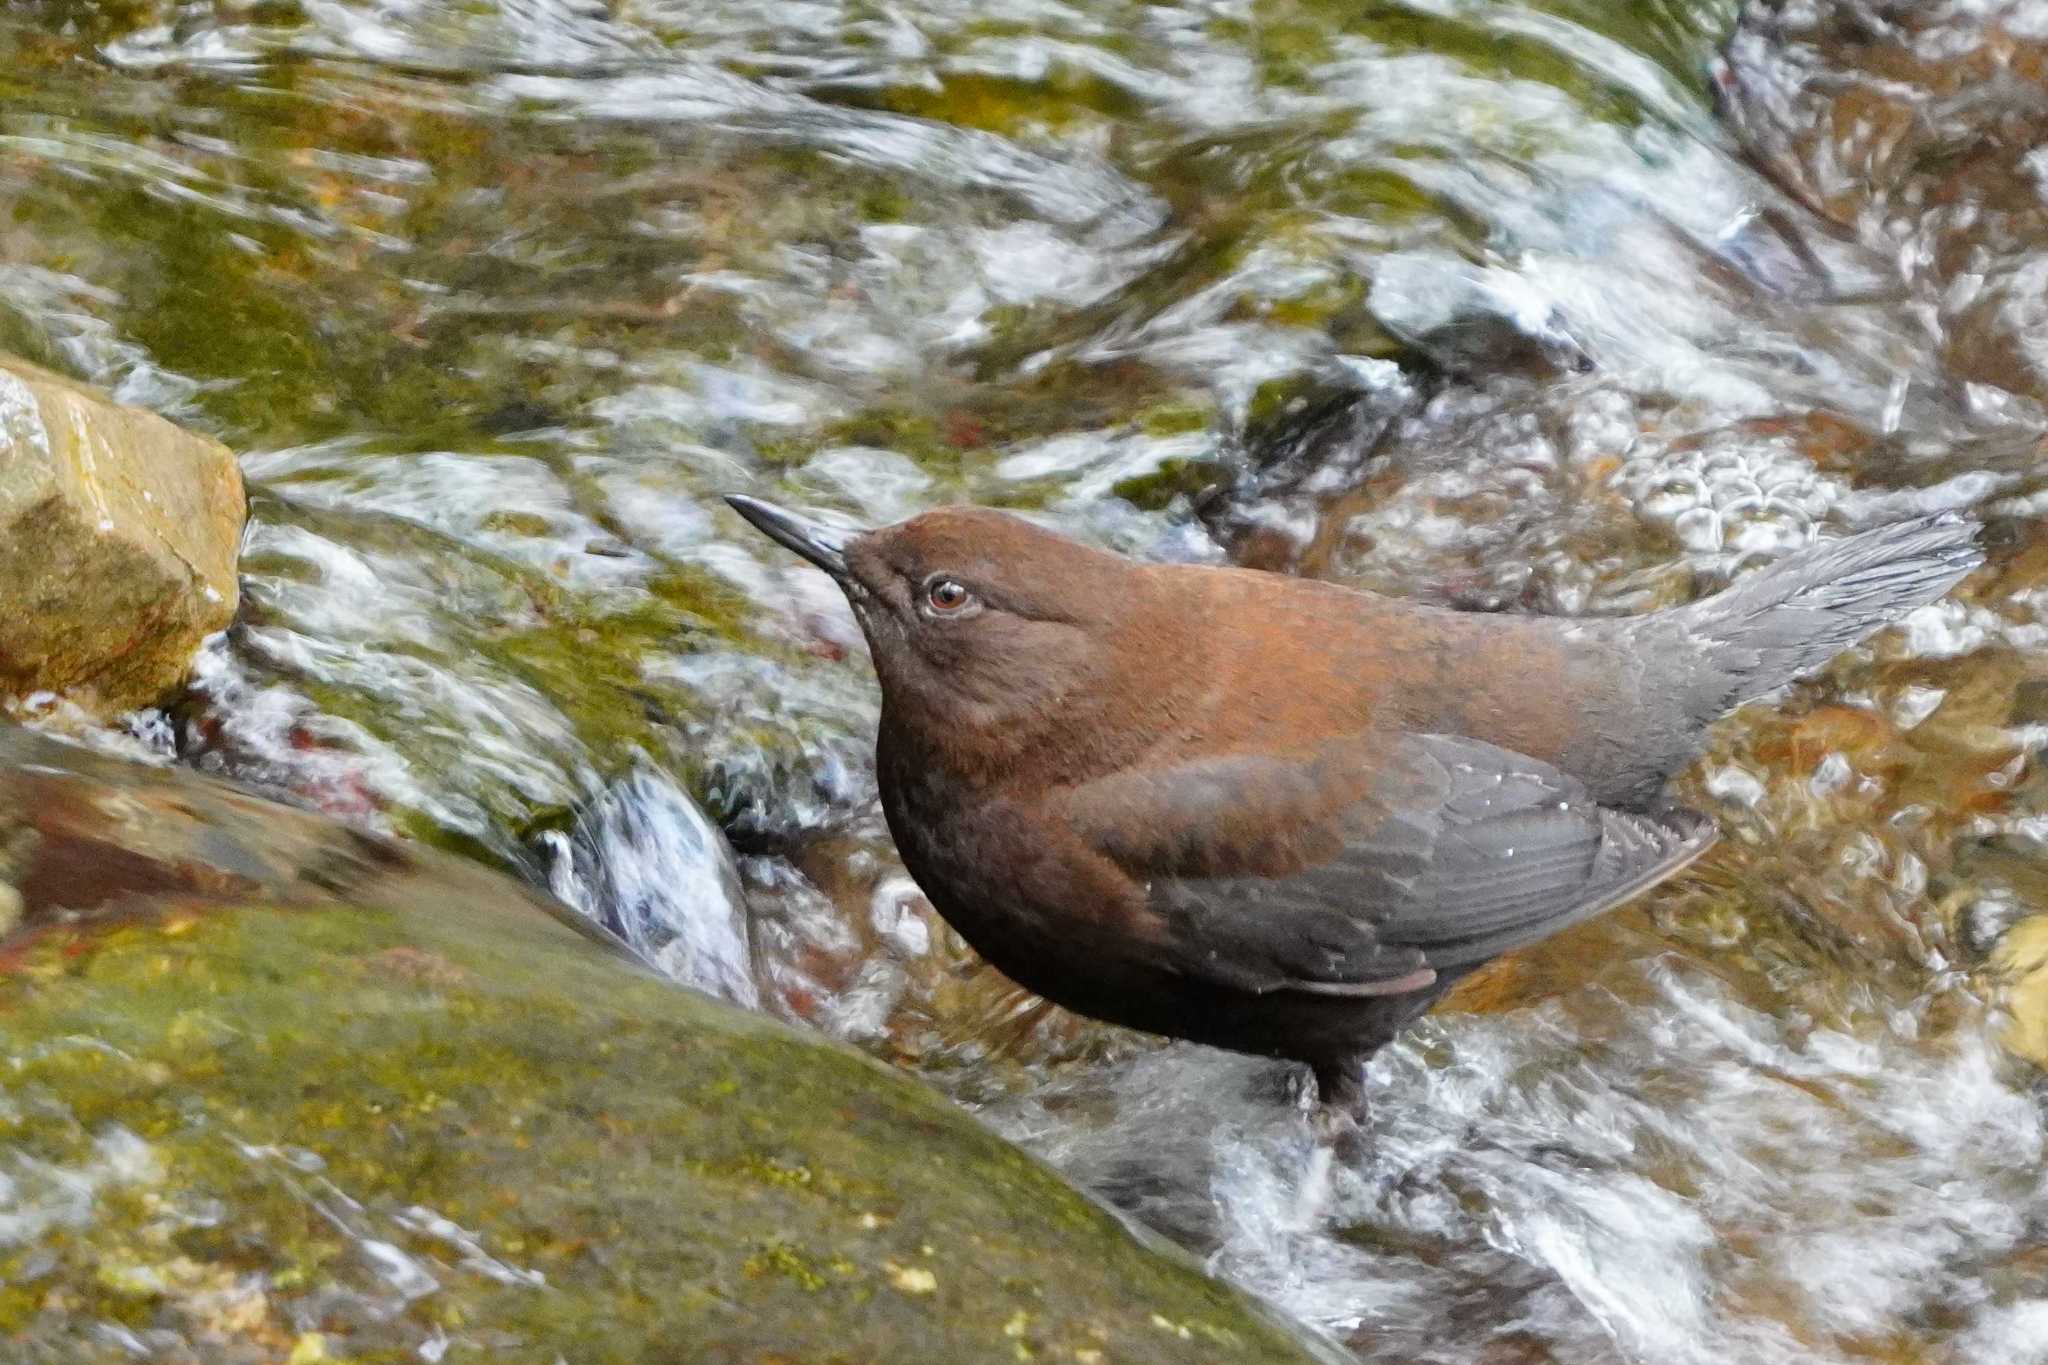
(1570, 306)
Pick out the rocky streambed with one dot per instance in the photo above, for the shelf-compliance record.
(1577, 306)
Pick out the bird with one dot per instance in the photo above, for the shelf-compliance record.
(1282, 816)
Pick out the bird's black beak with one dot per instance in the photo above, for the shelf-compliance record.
(824, 546)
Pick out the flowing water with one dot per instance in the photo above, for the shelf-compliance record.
(1574, 306)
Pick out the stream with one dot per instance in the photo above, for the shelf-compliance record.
(1566, 306)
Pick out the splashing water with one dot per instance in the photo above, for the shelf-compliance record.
(1641, 1197)
(644, 861)
(1554, 305)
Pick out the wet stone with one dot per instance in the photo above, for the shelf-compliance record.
(305, 1095)
(118, 540)
(2023, 959)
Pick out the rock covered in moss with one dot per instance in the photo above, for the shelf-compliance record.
(283, 1092)
(118, 539)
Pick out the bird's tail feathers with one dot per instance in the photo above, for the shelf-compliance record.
(1788, 620)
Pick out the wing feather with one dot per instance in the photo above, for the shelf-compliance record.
(1370, 866)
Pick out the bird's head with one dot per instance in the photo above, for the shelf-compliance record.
(983, 627)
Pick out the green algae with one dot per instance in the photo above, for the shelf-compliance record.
(1294, 39)
(273, 1110)
(1059, 102)
(1173, 479)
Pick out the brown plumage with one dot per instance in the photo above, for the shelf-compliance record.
(1280, 816)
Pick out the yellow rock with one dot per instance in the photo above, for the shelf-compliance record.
(119, 533)
(2022, 959)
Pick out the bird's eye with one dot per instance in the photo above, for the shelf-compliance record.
(946, 597)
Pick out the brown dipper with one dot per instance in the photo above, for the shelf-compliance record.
(1281, 816)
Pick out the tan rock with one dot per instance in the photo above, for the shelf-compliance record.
(2021, 960)
(118, 540)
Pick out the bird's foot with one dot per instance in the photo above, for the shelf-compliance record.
(1338, 1138)
(1346, 1133)
(1340, 1129)
(1298, 1088)
(1342, 1118)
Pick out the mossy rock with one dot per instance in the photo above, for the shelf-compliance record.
(363, 1102)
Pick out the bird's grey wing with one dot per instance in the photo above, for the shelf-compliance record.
(1372, 864)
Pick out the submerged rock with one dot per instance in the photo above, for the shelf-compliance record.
(281, 1091)
(118, 539)
(2022, 959)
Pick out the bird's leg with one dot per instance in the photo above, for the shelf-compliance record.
(1343, 1113)
(1341, 1127)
